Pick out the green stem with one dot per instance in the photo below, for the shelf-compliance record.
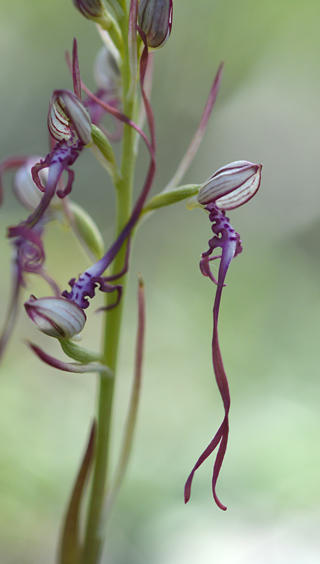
(93, 541)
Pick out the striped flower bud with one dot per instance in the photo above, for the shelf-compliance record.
(24, 187)
(66, 115)
(90, 8)
(57, 317)
(155, 20)
(232, 185)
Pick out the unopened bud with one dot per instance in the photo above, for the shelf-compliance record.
(90, 8)
(106, 71)
(23, 186)
(232, 185)
(155, 20)
(67, 113)
(96, 11)
(57, 317)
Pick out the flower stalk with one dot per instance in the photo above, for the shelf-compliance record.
(113, 317)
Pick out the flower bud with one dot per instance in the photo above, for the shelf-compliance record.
(106, 71)
(232, 185)
(23, 186)
(66, 112)
(90, 8)
(57, 317)
(155, 20)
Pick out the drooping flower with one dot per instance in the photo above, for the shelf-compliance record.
(70, 125)
(28, 254)
(230, 187)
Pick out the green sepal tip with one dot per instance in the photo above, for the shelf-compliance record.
(171, 197)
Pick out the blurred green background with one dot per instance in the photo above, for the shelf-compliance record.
(267, 111)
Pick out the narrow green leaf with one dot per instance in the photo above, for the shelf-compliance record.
(171, 197)
(70, 545)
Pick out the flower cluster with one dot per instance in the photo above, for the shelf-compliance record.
(39, 186)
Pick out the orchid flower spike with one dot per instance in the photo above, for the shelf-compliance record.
(230, 187)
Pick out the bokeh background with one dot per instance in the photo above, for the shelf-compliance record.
(267, 111)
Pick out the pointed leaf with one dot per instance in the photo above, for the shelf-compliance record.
(70, 545)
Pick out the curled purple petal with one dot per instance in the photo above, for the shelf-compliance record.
(60, 159)
(30, 251)
(85, 287)
(229, 241)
